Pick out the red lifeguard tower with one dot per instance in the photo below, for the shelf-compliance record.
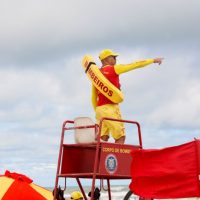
(94, 160)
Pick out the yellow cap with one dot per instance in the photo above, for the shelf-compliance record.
(105, 53)
(76, 195)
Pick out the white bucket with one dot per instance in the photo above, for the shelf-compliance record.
(86, 135)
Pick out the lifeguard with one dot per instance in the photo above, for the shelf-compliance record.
(106, 101)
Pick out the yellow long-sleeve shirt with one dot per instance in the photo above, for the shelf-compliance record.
(119, 69)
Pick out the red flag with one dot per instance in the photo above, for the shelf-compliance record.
(172, 172)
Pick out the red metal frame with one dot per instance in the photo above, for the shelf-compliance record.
(91, 149)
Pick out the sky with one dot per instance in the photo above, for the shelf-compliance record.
(42, 82)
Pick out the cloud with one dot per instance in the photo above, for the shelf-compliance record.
(34, 32)
(168, 93)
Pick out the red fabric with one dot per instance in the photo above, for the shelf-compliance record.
(20, 190)
(18, 176)
(172, 172)
(110, 74)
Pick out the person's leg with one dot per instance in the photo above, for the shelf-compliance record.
(121, 140)
(100, 113)
(117, 128)
(105, 138)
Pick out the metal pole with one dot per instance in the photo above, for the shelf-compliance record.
(59, 157)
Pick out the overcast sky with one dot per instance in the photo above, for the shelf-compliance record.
(42, 44)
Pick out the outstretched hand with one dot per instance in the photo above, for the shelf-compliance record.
(158, 60)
